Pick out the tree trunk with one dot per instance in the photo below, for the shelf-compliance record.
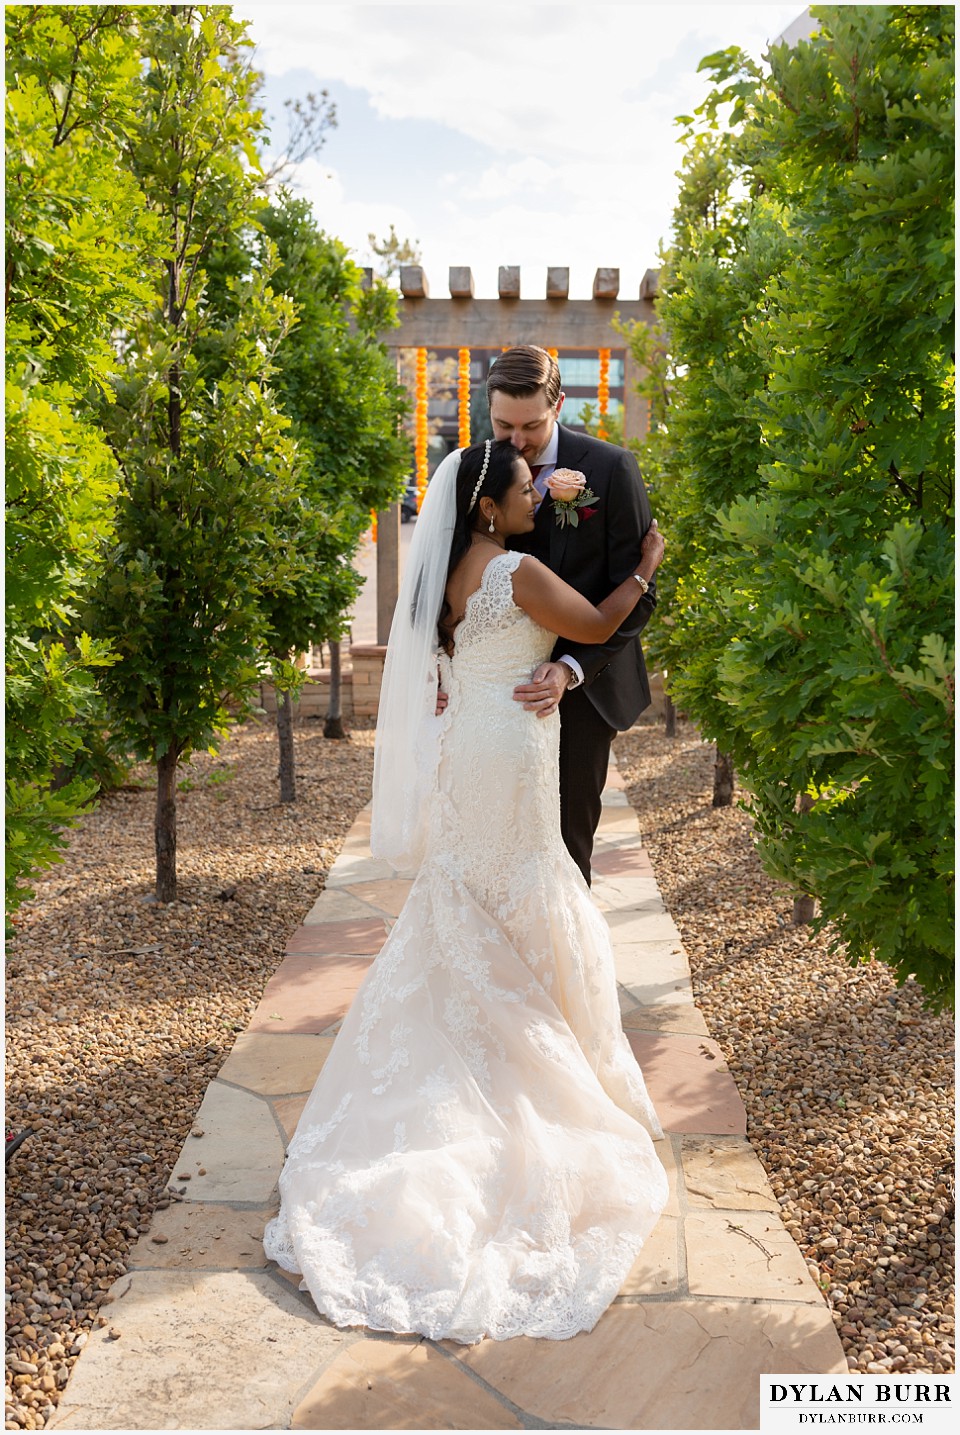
(804, 910)
(669, 716)
(804, 906)
(288, 781)
(165, 827)
(722, 780)
(333, 727)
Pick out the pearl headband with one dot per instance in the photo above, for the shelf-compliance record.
(483, 474)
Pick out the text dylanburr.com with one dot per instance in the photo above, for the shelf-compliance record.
(821, 1402)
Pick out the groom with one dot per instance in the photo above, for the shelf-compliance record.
(600, 689)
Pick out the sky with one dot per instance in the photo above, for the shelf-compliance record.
(526, 134)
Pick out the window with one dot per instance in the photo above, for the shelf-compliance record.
(582, 372)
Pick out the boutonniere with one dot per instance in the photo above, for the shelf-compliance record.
(571, 496)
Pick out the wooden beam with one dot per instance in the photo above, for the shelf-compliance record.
(461, 282)
(413, 282)
(650, 284)
(508, 281)
(495, 324)
(606, 284)
(558, 283)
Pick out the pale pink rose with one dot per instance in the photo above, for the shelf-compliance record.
(565, 483)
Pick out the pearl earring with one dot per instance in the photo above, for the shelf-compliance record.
(493, 527)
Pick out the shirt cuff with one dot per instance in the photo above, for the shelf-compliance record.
(575, 668)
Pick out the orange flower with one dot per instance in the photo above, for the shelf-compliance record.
(420, 425)
(463, 398)
(603, 391)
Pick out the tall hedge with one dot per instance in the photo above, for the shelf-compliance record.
(811, 436)
(77, 230)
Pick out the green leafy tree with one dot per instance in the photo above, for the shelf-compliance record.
(207, 466)
(819, 651)
(593, 421)
(705, 446)
(392, 252)
(338, 384)
(650, 349)
(76, 233)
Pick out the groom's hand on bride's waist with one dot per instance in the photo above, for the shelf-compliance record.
(545, 689)
(442, 700)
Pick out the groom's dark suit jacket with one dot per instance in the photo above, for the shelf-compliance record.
(594, 558)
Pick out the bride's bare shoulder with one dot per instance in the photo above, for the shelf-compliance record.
(531, 573)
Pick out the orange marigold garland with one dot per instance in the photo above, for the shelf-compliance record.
(554, 354)
(420, 425)
(603, 391)
(373, 525)
(463, 396)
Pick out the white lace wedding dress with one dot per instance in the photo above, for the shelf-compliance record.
(476, 1157)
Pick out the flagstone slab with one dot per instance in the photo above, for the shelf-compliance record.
(689, 1083)
(661, 1365)
(288, 1110)
(614, 795)
(680, 1017)
(389, 896)
(618, 817)
(202, 1236)
(725, 1173)
(359, 834)
(617, 893)
(198, 1351)
(399, 1383)
(667, 1156)
(655, 952)
(358, 866)
(626, 860)
(239, 1154)
(612, 843)
(653, 971)
(627, 1000)
(275, 1065)
(614, 782)
(747, 1254)
(347, 939)
(656, 1271)
(306, 995)
(338, 906)
(642, 926)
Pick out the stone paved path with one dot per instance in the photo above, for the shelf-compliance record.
(212, 1338)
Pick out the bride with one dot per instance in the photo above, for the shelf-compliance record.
(476, 1158)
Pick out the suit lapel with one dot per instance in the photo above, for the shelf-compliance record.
(569, 452)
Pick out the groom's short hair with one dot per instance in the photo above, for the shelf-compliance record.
(522, 371)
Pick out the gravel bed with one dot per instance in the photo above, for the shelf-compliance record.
(121, 1012)
(847, 1081)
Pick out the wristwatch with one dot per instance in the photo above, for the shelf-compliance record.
(644, 585)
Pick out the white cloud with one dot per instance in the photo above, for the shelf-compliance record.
(350, 220)
(576, 105)
(529, 77)
(531, 177)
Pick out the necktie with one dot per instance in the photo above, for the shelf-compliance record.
(535, 471)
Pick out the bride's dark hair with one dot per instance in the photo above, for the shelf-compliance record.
(500, 474)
